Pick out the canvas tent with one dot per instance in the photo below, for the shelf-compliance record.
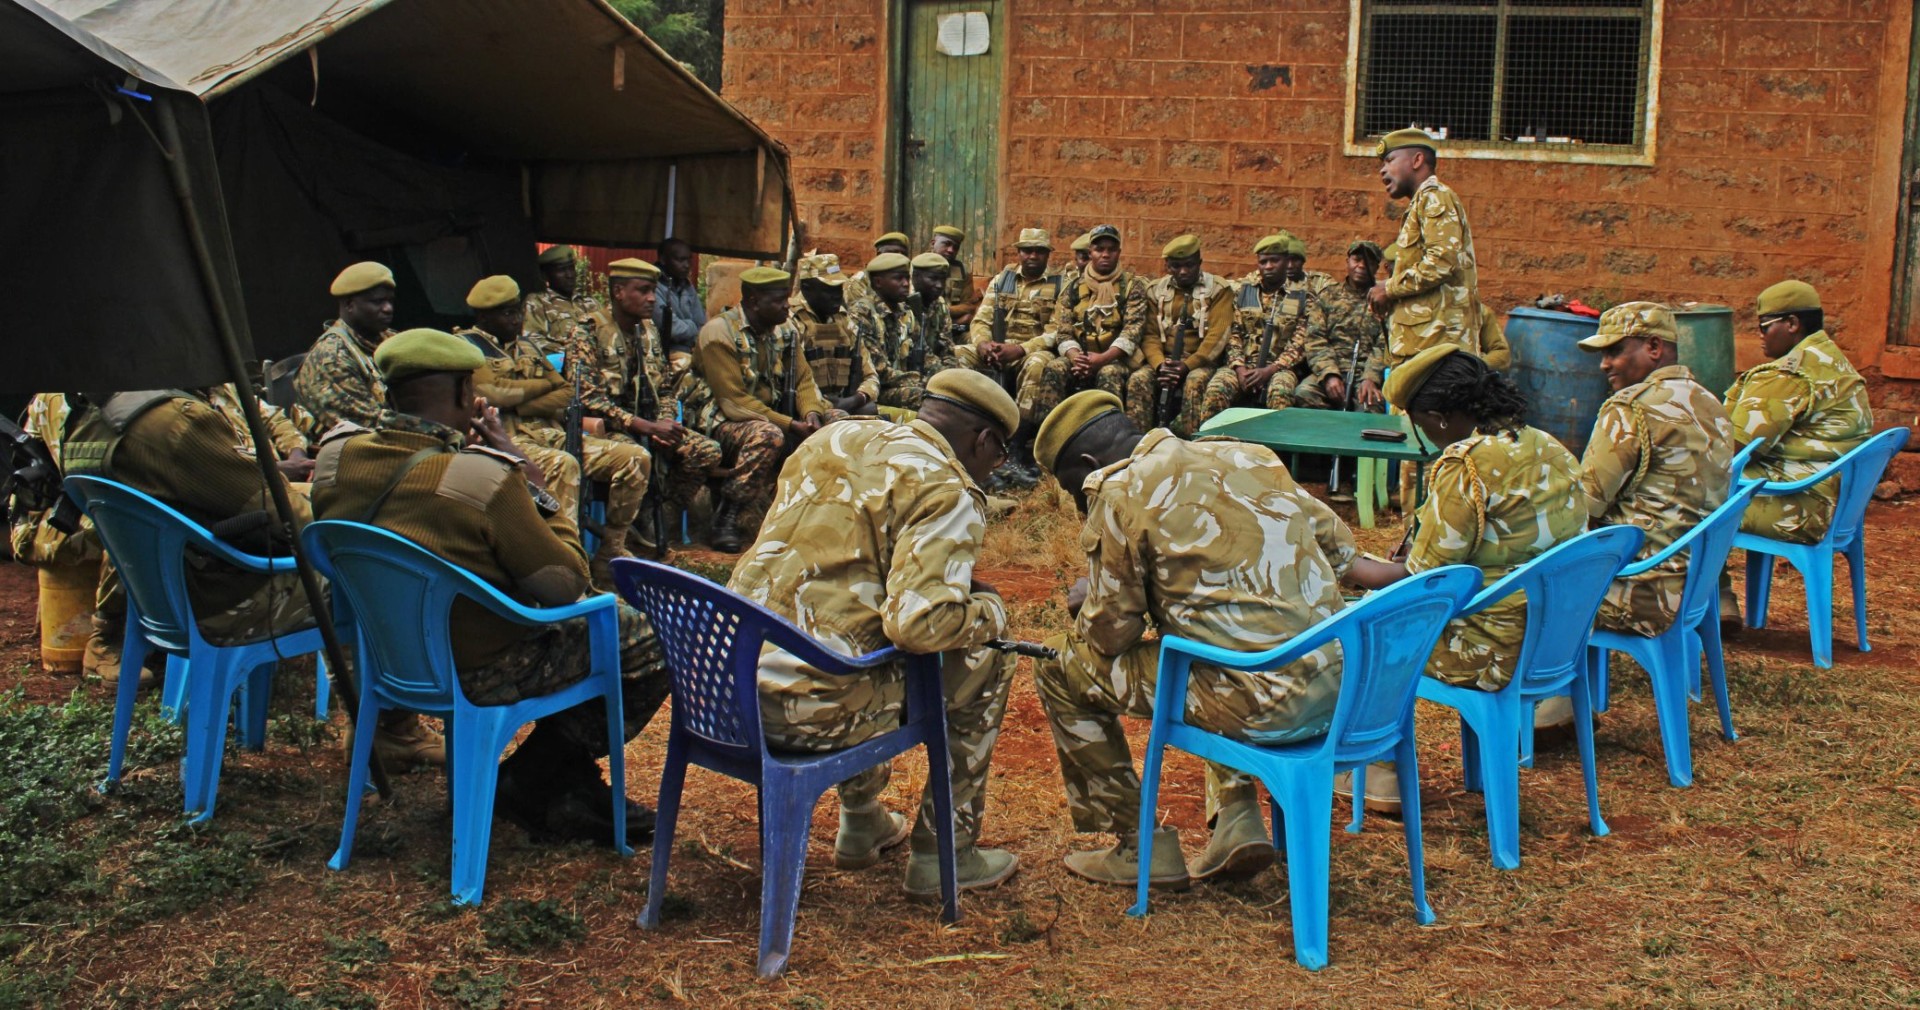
(444, 137)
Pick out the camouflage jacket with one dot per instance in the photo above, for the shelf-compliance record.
(959, 301)
(1094, 315)
(551, 318)
(1435, 288)
(1210, 304)
(1028, 305)
(1494, 501)
(339, 382)
(529, 391)
(35, 541)
(871, 541)
(1212, 540)
(1346, 323)
(744, 374)
(1806, 408)
(622, 372)
(894, 341)
(839, 358)
(287, 437)
(1294, 314)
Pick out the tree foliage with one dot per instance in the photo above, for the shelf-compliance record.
(689, 30)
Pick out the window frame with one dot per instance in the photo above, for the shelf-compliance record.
(1584, 154)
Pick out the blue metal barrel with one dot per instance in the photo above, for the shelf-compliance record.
(1563, 383)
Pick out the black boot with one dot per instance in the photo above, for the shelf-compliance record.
(1021, 453)
(725, 534)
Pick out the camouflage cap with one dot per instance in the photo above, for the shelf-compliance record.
(1363, 246)
(977, 393)
(1033, 238)
(360, 277)
(1083, 243)
(1100, 231)
(1183, 247)
(892, 238)
(821, 267)
(632, 268)
(419, 351)
(949, 231)
(1407, 378)
(931, 261)
(1276, 243)
(1407, 138)
(759, 277)
(493, 292)
(1788, 296)
(1632, 319)
(1069, 419)
(890, 261)
(552, 254)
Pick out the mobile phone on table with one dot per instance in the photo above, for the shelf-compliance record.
(1383, 435)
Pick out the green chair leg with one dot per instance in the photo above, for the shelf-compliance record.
(1363, 484)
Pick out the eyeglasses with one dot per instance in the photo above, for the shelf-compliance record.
(999, 447)
(1767, 321)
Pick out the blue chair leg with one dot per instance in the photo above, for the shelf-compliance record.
(673, 778)
(1857, 570)
(1526, 733)
(1407, 761)
(1583, 734)
(786, 819)
(1307, 817)
(1669, 684)
(322, 686)
(256, 695)
(1149, 815)
(1818, 574)
(476, 779)
(1498, 755)
(133, 655)
(930, 703)
(209, 709)
(1759, 587)
(173, 693)
(1713, 652)
(1599, 685)
(1471, 773)
(1359, 800)
(357, 780)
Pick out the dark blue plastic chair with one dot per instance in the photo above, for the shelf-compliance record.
(1564, 588)
(398, 596)
(1385, 642)
(712, 639)
(149, 543)
(1859, 472)
(1695, 631)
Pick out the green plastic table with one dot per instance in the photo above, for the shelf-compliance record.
(1329, 433)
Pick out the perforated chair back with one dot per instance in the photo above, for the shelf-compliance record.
(1386, 641)
(1565, 587)
(1860, 471)
(148, 541)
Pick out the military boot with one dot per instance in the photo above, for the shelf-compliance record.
(1022, 455)
(725, 534)
(1239, 847)
(864, 834)
(1383, 788)
(976, 868)
(1120, 865)
(600, 566)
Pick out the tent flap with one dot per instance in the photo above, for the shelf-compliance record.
(624, 202)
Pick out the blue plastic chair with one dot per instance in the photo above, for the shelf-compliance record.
(149, 543)
(399, 596)
(1695, 630)
(712, 639)
(1564, 588)
(1385, 641)
(1859, 471)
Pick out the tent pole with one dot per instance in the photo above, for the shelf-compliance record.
(673, 179)
(343, 674)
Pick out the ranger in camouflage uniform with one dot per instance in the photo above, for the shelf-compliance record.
(841, 365)
(1346, 325)
(749, 357)
(957, 288)
(943, 336)
(338, 381)
(1210, 540)
(859, 288)
(1658, 457)
(1101, 325)
(1433, 296)
(470, 505)
(1012, 336)
(552, 314)
(871, 542)
(1806, 408)
(1267, 340)
(1186, 296)
(889, 328)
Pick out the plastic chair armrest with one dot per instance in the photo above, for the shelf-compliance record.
(503, 606)
(1773, 489)
(1280, 655)
(807, 650)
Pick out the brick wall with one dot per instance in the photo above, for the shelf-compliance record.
(1778, 145)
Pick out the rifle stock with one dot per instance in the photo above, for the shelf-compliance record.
(647, 402)
(1167, 404)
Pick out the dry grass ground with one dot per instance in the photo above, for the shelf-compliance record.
(1789, 875)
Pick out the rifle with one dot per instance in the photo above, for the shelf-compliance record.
(1265, 357)
(646, 402)
(576, 441)
(1168, 403)
(1346, 403)
(916, 359)
(1001, 289)
(790, 387)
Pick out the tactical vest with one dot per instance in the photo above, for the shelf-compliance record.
(1289, 314)
(831, 353)
(1006, 286)
(94, 435)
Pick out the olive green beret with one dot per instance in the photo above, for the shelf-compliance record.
(764, 277)
(1067, 420)
(951, 232)
(1033, 238)
(555, 254)
(1296, 247)
(1083, 243)
(891, 238)
(1632, 319)
(1788, 296)
(417, 352)
(632, 268)
(493, 292)
(1407, 378)
(931, 261)
(360, 277)
(890, 261)
(1276, 242)
(974, 391)
(1183, 247)
(1407, 138)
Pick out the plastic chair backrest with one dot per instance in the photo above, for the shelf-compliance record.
(400, 596)
(1564, 588)
(712, 639)
(1860, 471)
(1740, 460)
(558, 360)
(1385, 642)
(148, 541)
(1710, 541)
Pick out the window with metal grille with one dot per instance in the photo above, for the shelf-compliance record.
(1533, 79)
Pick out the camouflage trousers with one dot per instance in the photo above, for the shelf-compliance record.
(755, 449)
(276, 608)
(1029, 374)
(624, 467)
(1481, 651)
(1143, 388)
(1224, 390)
(905, 391)
(1644, 604)
(1310, 392)
(976, 685)
(558, 656)
(1798, 518)
(689, 464)
(1055, 381)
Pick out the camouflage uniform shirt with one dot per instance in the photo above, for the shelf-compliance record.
(339, 381)
(839, 358)
(1806, 408)
(1096, 314)
(552, 316)
(1028, 305)
(745, 373)
(1435, 288)
(1346, 323)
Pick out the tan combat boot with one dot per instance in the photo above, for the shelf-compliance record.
(1239, 847)
(1120, 865)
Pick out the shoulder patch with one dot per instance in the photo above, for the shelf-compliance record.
(474, 475)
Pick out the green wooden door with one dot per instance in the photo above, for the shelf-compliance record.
(1905, 328)
(950, 136)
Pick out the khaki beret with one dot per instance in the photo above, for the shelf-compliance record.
(360, 277)
(931, 261)
(1296, 247)
(1183, 247)
(892, 238)
(1407, 378)
(555, 254)
(978, 393)
(1067, 420)
(1275, 243)
(951, 232)
(493, 292)
(1633, 319)
(889, 261)
(764, 277)
(822, 267)
(1083, 243)
(1407, 138)
(1788, 296)
(1033, 238)
(632, 268)
(1364, 246)
(417, 352)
